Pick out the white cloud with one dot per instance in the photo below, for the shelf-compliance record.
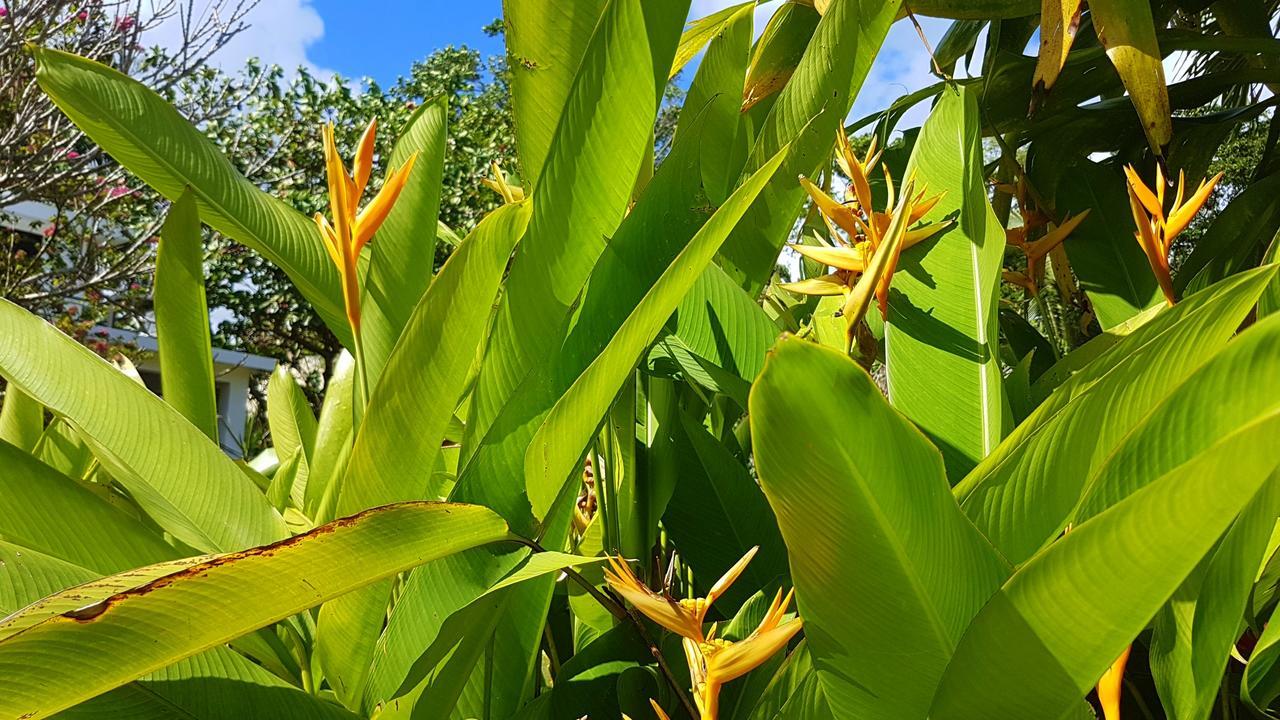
(279, 32)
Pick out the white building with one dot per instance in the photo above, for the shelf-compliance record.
(233, 370)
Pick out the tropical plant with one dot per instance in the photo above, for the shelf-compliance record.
(603, 463)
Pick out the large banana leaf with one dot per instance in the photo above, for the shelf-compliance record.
(888, 571)
(942, 335)
(546, 40)
(1020, 500)
(182, 319)
(1162, 504)
(148, 136)
(806, 115)
(170, 468)
(1127, 30)
(419, 389)
(215, 685)
(404, 250)
(53, 514)
(141, 629)
(568, 427)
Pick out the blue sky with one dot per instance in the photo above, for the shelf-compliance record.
(382, 38)
(382, 44)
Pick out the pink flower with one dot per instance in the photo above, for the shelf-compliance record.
(82, 15)
(4, 12)
(73, 310)
(135, 287)
(72, 154)
(49, 231)
(118, 191)
(125, 23)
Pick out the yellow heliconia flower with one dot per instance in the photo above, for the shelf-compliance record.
(1037, 250)
(715, 662)
(868, 233)
(352, 227)
(712, 661)
(1110, 687)
(683, 617)
(498, 183)
(1156, 231)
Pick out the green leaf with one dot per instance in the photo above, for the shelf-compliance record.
(1196, 630)
(724, 328)
(1066, 615)
(142, 629)
(714, 101)
(779, 50)
(943, 322)
(419, 389)
(1235, 238)
(148, 137)
(1269, 302)
(806, 115)
(1106, 258)
(568, 427)
(975, 9)
(718, 513)
(57, 516)
(21, 419)
(1127, 30)
(888, 571)
(334, 433)
(293, 429)
(404, 250)
(1020, 501)
(182, 318)
(171, 469)
(30, 575)
(546, 40)
(701, 31)
(214, 685)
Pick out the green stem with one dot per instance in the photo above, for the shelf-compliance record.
(362, 372)
(1055, 338)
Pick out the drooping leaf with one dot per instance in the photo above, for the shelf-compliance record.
(139, 630)
(942, 333)
(888, 571)
(148, 136)
(170, 468)
(1127, 30)
(779, 50)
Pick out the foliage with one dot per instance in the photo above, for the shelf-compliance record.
(1003, 449)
